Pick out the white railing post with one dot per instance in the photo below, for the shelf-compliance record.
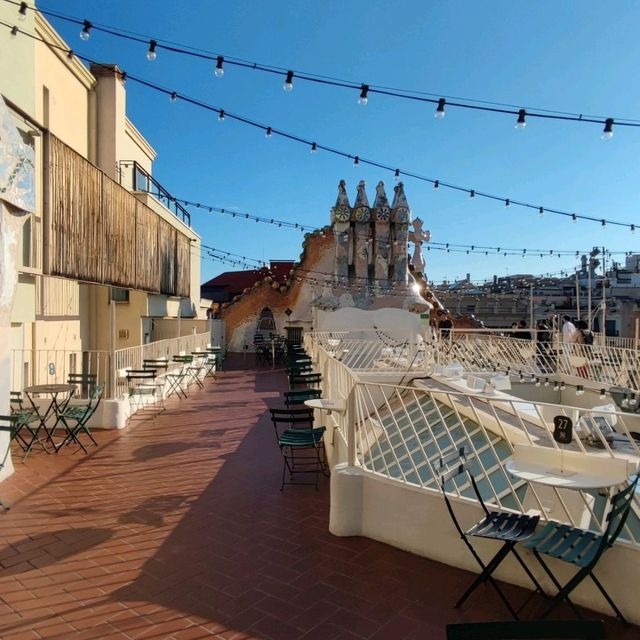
(351, 427)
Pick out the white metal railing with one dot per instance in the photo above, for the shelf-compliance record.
(134, 357)
(599, 363)
(53, 366)
(399, 432)
(372, 351)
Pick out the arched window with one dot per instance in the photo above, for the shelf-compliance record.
(266, 323)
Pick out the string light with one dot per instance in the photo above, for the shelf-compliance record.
(151, 54)
(269, 133)
(396, 175)
(436, 184)
(314, 147)
(22, 11)
(219, 70)
(356, 161)
(607, 132)
(522, 123)
(174, 96)
(364, 95)
(85, 34)
(468, 103)
(294, 138)
(14, 32)
(288, 83)
(507, 203)
(472, 194)
(221, 115)
(440, 109)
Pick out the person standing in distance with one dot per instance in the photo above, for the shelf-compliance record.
(568, 329)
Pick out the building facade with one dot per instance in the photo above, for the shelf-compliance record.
(106, 254)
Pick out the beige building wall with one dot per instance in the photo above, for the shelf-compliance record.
(55, 315)
(17, 59)
(62, 89)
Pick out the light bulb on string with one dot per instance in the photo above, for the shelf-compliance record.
(436, 184)
(522, 123)
(472, 194)
(607, 132)
(268, 133)
(541, 211)
(364, 95)
(440, 109)
(574, 218)
(221, 116)
(314, 147)
(22, 11)
(633, 228)
(396, 175)
(85, 34)
(507, 203)
(288, 83)
(173, 97)
(151, 54)
(219, 70)
(356, 161)
(14, 32)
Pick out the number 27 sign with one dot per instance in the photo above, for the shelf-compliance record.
(562, 429)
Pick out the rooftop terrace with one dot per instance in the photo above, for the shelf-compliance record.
(175, 528)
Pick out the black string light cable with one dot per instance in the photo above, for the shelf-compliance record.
(314, 146)
(154, 44)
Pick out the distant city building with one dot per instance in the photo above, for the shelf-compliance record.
(508, 299)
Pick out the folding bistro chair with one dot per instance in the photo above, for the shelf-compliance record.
(24, 417)
(307, 379)
(75, 419)
(7, 423)
(300, 443)
(508, 528)
(178, 379)
(298, 396)
(196, 368)
(144, 389)
(84, 383)
(528, 630)
(582, 548)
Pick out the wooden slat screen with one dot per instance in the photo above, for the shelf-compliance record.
(183, 268)
(99, 232)
(167, 256)
(120, 245)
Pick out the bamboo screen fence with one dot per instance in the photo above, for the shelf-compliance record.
(99, 232)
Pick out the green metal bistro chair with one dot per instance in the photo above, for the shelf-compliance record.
(24, 418)
(84, 383)
(7, 423)
(299, 443)
(528, 630)
(508, 528)
(144, 389)
(179, 379)
(582, 548)
(298, 396)
(306, 379)
(75, 419)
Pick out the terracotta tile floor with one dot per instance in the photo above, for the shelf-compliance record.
(175, 528)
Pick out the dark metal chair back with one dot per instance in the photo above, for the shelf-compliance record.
(529, 630)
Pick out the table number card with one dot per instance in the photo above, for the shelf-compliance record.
(562, 430)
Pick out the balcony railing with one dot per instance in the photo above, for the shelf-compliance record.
(131, 173)
(398, 432)
(53, 366)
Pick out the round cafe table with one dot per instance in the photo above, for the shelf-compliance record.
(60, 395)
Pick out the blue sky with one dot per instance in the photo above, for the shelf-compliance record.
(577, 56)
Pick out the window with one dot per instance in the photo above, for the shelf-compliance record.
(119, 295)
